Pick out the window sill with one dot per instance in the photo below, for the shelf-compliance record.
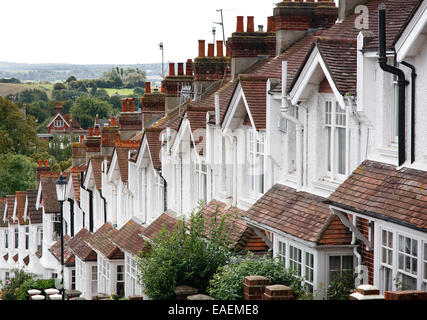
(391, 151)
(291, 177)
(327, 184)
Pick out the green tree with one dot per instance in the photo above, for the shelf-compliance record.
(59, 86)
(39, 110)
(185, 256)
(32, 95)
(60, 148)
(86, 108)
(17, 173)
(65, 94)
(71, 78)
(102, 94)
(18, 135)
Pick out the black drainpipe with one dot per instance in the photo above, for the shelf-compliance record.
(71, 216)
(105, 206)
(165, 192)
(401, 80)
(413, 82)
(90, 203)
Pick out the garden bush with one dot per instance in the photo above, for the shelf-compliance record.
(227, 283)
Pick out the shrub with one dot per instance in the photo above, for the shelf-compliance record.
(227, 283)
(40, 284)
(184, 256)
(341, 287)
(10, 290)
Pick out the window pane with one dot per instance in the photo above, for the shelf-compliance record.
(329, 132)
(335, 263)
(414, 247)
(341, 150)
(347, 262)
(408, 283)
(390, 239)
(401, 244)
(384, 237)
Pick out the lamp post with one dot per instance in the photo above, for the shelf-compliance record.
(61, 191)
(162, 49)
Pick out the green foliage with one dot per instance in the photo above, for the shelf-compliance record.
(11, 288)
(86, 108)
(101, 94)
(17, 173)
(139, 91)
(341, 287)
(65, 94)
(116, 102)
(32, 95)
(184, 256)
(60, 148)
(71, 78)
(119, 77)
(59, 86)
(39, 110)
(29, 284)
(17, 135)
(227, 283)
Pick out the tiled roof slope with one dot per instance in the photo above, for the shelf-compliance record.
(296, 55)
(299, 214)
(241, 236)
(101, 241)
(255, 90)
(379, 190)
(96, 163)
(33, 214)
(10, 202)
(398, 13)
(154, 144)
(129, 238)
(164, 220)
(69, 259)
(80, 248)
(75, 173)
(3, 223)
(341, 60)
(20, 207)
(49, 201)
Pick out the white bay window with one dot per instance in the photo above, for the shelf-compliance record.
(256, 162)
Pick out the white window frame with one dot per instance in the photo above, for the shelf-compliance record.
(59, 123)
(387, 252)
(335, 121)
(27, 237)
(201, 180)
(341, 269)
(256, 165)
(132, 274)
(94, 280)
(6, 239)
(409, 255)
(16, 237)
(160, 194)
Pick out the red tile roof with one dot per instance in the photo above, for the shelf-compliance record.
(21, 197)
(122, 151)
(15, 258)
(34, 215)
(154, 144)
(299, 214)
(255, 90)
(76, 176)
(379, 190)
(397, 16)
(48, 197)
(96, 163)
(55, 249)
(341, 61)
(164, 220)
(10, 202)
(242, 237)
(26, 260)
(80, 248)
(129, 238)
(101, 241)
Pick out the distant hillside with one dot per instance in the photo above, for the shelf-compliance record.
(59, 72)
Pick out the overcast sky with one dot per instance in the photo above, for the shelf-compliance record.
(116, 31)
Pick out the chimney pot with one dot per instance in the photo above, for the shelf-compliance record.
(96, 131)
(239, 27)
(90, 132)
(124, 105)
(171, 69)
(219, 48)
(46, 163)
(40, 163)
(189, 67)
(131, 105)
(260, 28)
(227, 51)
(250, 24)
(270, 24)
(202, 48)
(211, 49)
(180, 68)
(81, 139)
(148, 87)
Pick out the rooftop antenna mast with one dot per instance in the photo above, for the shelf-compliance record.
(163, 70)
(222, 25)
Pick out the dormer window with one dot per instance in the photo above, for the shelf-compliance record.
(59, 123)
(336, 147)
(256, 162)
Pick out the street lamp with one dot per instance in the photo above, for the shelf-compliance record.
(61, 192)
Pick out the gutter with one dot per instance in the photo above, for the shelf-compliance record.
(382, 60)
(165, 192)
(71, 216)
(413, 89)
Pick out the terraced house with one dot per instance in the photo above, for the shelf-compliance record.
(311, 132)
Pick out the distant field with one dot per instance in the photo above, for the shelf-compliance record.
(14, 88)
(121, 92)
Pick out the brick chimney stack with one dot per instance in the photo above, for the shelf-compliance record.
(202, 48)
(130, 121)
(42, 166)
(189, 67)
(293, 19)
(248, 47)
(58, 108)
(173, 85)
(219, 48)
(211, 49)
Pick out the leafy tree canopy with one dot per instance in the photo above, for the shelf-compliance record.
(86, 108)
(17, 172)
(32, 95)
